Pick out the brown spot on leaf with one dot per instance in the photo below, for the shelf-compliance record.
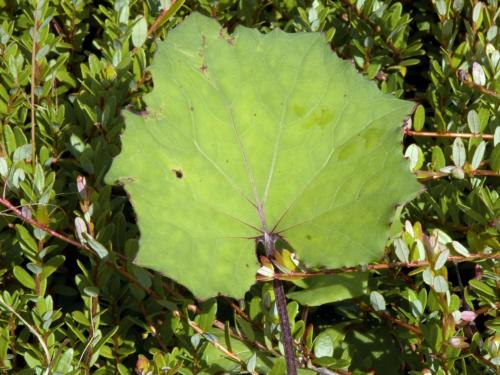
(224, 35)
(178, 173)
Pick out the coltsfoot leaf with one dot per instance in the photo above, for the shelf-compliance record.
(251, 133)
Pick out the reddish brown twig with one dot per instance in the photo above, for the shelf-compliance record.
(34, 69)
(237, 309)
(483, 172)
(487, 309)
(481, 89)
(381, 266)
(425, 176)
(4, 202)
(413, 133)
(392, 319)
(164, 15)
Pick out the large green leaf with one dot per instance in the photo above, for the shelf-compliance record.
(251, 133)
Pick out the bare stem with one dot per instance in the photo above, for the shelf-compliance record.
(381, 266)
(426, 176)
(393, 320)
(481, 89)
(34, 331)
(34, 69)
(4, 202)
(413, 133)
(279, 293)
(165, 14)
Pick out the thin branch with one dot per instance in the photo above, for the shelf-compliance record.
(218, 346)
(425, 176)
(34, 68)
(481, 89)
(33, 330)
(485, 361)
(487, 309)
(483, 172)
(237, 309)
(18, 213)
(219, 325)
(381, 266)
(152, 328)
(393, 320)
(164, 15)
(413, 133)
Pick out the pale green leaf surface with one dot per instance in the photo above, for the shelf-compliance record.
(377, 301)
(331, 288)
(270, 133)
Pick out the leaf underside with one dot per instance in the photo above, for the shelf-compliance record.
(251, 133)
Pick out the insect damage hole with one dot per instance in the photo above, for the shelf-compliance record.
(178, 173)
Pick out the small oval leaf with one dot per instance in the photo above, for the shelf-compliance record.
(24, 277)
(478, 155)
(139, 32)
(458, 153)
(473, 121)
(377, 301)
(478, 73)
(459, 248)
(441, 259)
(440, 284)
(419, 118)
(402, 251)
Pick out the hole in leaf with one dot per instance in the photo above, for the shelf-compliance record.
(178, 173)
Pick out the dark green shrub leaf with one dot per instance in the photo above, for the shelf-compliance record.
(207, 316)
(495, 158)
(24, 277)
(419, 118)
